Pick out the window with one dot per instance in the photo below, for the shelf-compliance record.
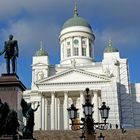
(76, 51)
(68, 43)
(40, 75)
(83, 51)
(83, 42)
(90, 49)
(68, 52)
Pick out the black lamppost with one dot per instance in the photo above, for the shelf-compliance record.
(101, 137)
(104, 111)
(88, 121)
(82, 137)
(72, 112)
(88, 106)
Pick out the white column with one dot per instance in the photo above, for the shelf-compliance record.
(65, 106)
(74, 100)
(52, 111)
(96, 110)
(100, 104)
(37, 116)
(46, 112)
(58, 120)
(87, 49)
(61, 124)
(56, 113)
(82, 101)
(62, 48)
(80, 46)
(43, 113)
(40, 112)
(71, 47)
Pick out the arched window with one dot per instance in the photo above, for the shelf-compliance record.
(40, 75)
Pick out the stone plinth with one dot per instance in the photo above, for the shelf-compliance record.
(11, 89)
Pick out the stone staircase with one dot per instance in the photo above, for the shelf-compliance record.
(133, 134)
(57, 135)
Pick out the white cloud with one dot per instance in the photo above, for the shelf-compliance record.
(29, 33)
(42, 20)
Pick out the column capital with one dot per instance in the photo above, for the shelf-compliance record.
(81, 91)
(66, 92)
(52, 93)
(95, 91)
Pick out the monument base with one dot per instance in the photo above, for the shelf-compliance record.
(11, 89)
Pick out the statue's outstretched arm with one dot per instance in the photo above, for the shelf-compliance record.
(36, 108)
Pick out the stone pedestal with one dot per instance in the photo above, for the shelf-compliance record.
(11, 89)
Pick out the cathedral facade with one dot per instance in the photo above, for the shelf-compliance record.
(56, 87)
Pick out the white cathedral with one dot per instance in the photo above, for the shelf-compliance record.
(56, 87)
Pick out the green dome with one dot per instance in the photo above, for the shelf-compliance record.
(76, 21)
(110, 48)
(41, 52)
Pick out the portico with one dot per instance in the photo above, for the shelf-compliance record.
(53, 108)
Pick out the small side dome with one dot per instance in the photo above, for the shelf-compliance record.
(110, 48)
(41, 52)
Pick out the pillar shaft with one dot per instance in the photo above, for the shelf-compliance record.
(52, 111)
(43, 112)
(81, 104)
(65, 106)
(96, 106)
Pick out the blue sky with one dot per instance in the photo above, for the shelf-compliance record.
(32, 21)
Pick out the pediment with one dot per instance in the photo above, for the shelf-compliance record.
(39, 64)
(74, 76)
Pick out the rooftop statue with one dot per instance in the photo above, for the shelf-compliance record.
(10, 53)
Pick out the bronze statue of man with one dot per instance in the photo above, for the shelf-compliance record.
(11, 52)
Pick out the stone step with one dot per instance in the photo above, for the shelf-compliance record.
(131, 134)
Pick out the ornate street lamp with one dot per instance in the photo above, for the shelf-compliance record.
(88, 109)
(72, 112)
(88, 106)
(104, 110)
(82, 137)
(88, 122)
(101, 137)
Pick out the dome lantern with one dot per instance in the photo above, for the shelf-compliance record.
(110, 48)
(41, 51)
